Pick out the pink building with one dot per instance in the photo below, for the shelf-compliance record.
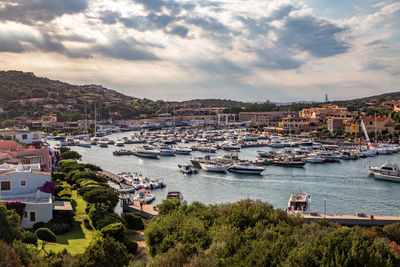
(12, 152)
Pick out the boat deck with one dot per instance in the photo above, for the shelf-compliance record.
(354, 220)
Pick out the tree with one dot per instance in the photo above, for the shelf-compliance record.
(104, 252)
(115, 230)
(46, 235)
(71, 155)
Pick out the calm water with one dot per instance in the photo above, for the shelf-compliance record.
(346, 186)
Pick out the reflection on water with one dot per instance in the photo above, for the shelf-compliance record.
(347, 186)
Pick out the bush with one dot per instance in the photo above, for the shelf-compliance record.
(46, 234)
(29, 238)
(102, 195)
(58, 176)
(59, 228)
(92, 167)
(65, 193)
(71, 155)
(133, 221)
(108, 219)
(393, 232)
(87, 225)
(38, 225)
(115, 230)
(131, 246)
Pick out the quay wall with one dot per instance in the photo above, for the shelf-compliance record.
(355, 220)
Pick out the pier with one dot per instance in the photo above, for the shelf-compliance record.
(355, 220)
(148, 211)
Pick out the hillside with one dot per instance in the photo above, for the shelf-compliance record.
(24, 94)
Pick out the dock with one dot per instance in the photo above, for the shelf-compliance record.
(148, 211)
(355, 220)
(115, 179)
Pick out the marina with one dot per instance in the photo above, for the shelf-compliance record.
(346, 184)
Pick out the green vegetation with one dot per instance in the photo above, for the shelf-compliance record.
(252, 233)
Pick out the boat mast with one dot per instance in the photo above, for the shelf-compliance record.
(376, 131)
(95, 121)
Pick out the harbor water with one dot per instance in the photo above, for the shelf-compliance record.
(346, 186)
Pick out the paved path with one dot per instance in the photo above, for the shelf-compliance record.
(355, 220)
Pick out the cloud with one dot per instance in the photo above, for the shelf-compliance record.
(121, 49)
(181, 31)
(317, 36)
(33, 11)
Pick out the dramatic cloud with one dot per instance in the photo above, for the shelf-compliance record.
(178, 48)
(32, 11)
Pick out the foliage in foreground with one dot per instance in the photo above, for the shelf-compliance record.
(252, 233)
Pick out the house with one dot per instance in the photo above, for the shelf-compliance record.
(326, 112)
(11, 152)
(23, 135)
(20, 184)
(335, 126)
(296, 124)
(392, 104)
(269, 118)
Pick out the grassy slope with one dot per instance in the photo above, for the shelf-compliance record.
(78, 239)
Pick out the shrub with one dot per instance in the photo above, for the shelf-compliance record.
(8, 257)
(104, 252)
(29, 238)
(102, 195)
(133, 221)
(59, 228)
(92, 167)
(131, 246)
(38, 225)
(87, 225)
(46, 234)
(65, 193)
(108, 219)
(58, 176)
(393, 232)
(71, 155)
(115, 230)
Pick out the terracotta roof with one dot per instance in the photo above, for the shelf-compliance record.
(372, 119)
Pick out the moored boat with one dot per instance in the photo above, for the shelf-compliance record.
(246, 168)
(299, 203)
(187, 169)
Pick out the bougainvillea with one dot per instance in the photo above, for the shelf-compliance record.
(18, 206)
(48, 187)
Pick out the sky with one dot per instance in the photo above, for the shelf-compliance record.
(252, 50)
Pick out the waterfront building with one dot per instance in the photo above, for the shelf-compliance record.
(23, 135)
(296, 124)
(392, 104)
(335, 126)
(326, 112)
(268, 118)
(22, 185)
(11, 152)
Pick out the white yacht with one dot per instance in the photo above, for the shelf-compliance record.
(119, 142)
(314, 158)
(299, 203)
(144, 195)
(388, 171)
(275, 142)
(176, 195)
(102, 143)
(213, 167)
(182, 150)
(146, 153)
(166, 151)
(246, 168)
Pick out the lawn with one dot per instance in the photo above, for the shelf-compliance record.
(78, 239)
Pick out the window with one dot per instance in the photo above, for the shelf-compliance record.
(24, 136)
(32, 216)
(5, 186)
(25, 214)
(22, 182)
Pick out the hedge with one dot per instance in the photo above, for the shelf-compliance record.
(46, 234)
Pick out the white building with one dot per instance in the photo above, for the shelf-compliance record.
(23, 135)
(21, 183)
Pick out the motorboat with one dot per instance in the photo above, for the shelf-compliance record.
(146, 153)
(85, 143)
(230, 146)
(213, 167)
(102, 143)
(288, 162)
(122, 152)
(182, 150)
(246, 168)
(314, 158)
(176, 195)
(197, 160)
(329, 156)
(207, 149)
(275, 142)
(144, 195)
(388, 171)
(187, 169)
(119, 142)
(166, 151)
(299, 203)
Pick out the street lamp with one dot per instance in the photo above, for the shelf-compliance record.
(324, 208)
